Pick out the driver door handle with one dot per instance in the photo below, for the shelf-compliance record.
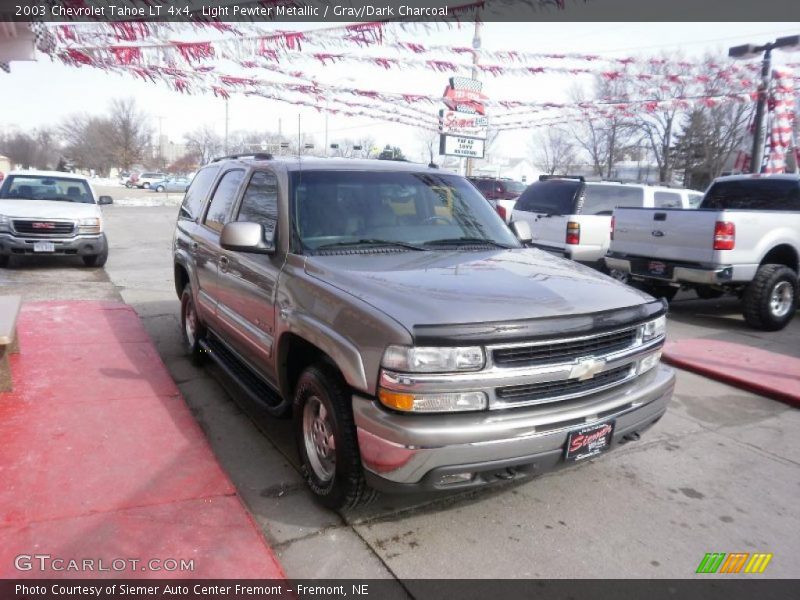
(223, 263)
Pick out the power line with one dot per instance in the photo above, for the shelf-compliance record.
(723, 39)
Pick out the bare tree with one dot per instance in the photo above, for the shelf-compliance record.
(37, 149)
(130, 133)
(604, 133)
(553, 152)
(429, 143)
(204, 143)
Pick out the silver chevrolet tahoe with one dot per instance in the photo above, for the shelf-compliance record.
(415, 341)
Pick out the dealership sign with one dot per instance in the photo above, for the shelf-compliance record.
(464, 124)
(452, 145)
(464, 95)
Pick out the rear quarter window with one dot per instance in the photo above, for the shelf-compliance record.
(754, 194)
(554, 196)
(603, 199)
(197, 193)
(667, 200)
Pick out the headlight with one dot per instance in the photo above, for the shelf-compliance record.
(410, 359)
(5, 223)
(91, 225)
(431, 402)
(654, 329)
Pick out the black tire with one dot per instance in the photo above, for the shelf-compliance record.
(160, 188)
(4, 260)
(708, 293)
(146, 185)
(192, 328)
(340, 484)
(667, 292)
(761, 311)
(128, 185)
(96, 260)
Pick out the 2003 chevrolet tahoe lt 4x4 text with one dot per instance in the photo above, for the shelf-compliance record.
(417, 344)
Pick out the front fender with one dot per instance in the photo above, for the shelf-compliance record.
(341, 350)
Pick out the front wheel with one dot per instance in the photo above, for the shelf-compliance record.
(770, 300)
(160, 188)
(96, 260)
(326, 439)
(146, 185)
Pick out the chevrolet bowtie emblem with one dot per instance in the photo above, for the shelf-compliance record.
(586, 368)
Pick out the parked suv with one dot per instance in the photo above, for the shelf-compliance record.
(503, 193)
(572, 217)
(416, 343)
(47, 213)
(145, 180)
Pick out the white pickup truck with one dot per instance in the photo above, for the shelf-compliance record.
(744, 238)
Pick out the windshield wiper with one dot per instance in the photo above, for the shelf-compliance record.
(467, 241)
(370, 242)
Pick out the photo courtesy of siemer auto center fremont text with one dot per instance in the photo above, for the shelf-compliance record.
(421, 300)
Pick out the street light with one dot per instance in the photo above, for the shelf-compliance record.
(750, 51)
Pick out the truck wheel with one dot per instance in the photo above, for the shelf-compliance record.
(192, 328)
(96, 260)
(770, 300)
(708, 293)
(326, 439)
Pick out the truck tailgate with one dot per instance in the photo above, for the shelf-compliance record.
(667, 234)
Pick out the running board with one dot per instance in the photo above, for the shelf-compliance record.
(250, 383)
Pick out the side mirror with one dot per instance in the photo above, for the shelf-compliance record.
(105, 200)
(522, 230)
(248, 237)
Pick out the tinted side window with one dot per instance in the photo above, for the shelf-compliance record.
(198, 190)
(223, 199)
(603, 199)
(260, 202)
(555, 196)
(667, 200)
(754, 194)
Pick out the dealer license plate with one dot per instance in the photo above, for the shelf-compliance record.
(657, 268)
(589, 441)
(44, 247)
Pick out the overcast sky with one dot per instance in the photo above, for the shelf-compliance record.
(42, 93)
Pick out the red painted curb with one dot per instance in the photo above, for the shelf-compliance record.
(102, 459)
(767, 373)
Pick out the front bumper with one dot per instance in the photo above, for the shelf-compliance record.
(408, 453)
(699, 274)
(79, 245)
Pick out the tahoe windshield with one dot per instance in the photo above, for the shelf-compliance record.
(39, 187)
(415, 211)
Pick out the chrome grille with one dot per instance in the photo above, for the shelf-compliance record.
(561, 351)
(43, 227)
(553, 390)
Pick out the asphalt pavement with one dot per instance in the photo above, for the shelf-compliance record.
(719, 473)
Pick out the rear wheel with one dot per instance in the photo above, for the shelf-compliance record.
(770, 300)
(160, 188)
(146, 185)
(326, 439)
(192, 328)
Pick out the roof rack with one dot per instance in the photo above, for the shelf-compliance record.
(576, 177)
(253, 155)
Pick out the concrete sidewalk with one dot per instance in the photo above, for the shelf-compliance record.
(101, 459)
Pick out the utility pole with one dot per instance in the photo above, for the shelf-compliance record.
(280, 136)
(750, 51)
(160, 142)
(476, 48)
